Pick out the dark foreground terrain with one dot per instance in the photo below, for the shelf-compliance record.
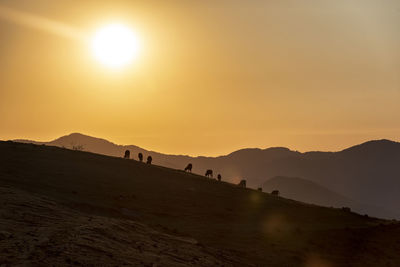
(63, 207)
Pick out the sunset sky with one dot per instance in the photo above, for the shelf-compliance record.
(210, 77)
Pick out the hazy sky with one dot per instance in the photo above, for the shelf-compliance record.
(212, 76)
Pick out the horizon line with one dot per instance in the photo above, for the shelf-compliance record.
(209, 156)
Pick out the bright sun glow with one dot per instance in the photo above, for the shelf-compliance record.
(115, 45)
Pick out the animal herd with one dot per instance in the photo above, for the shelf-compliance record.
(127, 155)
(189, 167)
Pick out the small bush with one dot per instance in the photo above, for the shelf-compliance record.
(346, 209)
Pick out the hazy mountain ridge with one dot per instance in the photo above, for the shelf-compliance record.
(368, 173)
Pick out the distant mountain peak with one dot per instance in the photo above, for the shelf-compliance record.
(249, 151)
(374, 145)
(75, 135)
(378, 141)
(81, 137)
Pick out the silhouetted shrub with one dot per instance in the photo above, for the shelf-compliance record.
(189, 167)
(219, 177)
(209, 173)
(140, 156)
(242, 183)
(346, 209)
(275, 193)
(127, 154)
(149, 160)
(77, 147)
(259, 189)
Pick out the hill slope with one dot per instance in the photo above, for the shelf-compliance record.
(37, 231)
(367, 173)
(209, 220)
(310, 192)
(306, 191)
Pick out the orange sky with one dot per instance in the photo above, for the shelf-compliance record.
(211, 77)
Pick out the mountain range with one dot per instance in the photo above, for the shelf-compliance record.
(365, 177)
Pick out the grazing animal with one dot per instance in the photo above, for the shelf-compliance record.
(189, 167)
(209, 173)
(242, 183)
(127, 154)
(149, 160)
(259, 189)
(275, 193)
(219, 177)
(140, 155)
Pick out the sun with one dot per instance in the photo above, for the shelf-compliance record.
(115, 45)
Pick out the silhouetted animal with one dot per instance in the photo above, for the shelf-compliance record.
(209, 173)
(275, 193)
(140, 155)
(189, 167)
(127, 154)
(259, 189)
(242, 183)
(149, 160)
(219, 177)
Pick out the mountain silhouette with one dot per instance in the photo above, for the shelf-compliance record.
(368, 173)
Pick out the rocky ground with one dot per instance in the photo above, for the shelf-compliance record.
(36, 231)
